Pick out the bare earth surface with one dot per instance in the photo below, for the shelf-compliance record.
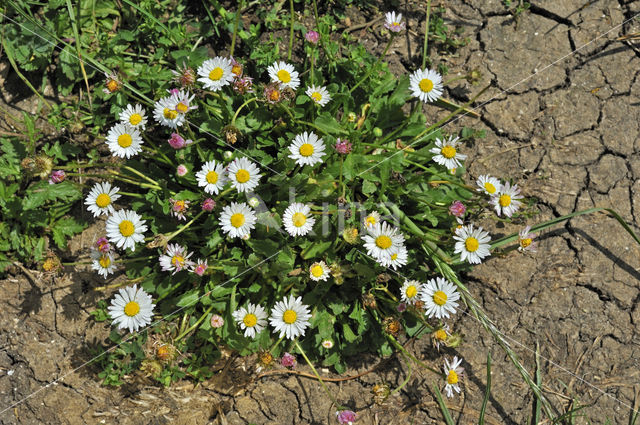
(568, 135)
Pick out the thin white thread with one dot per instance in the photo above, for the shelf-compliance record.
(524, 346)
(149, 105)
(501, 93)
(130, 336)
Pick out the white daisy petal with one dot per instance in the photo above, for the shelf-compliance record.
(318, 94)
(212, 177)
(489, 185)
(297, 219)
(125, 229)
(381, 239)
(215, 73)
(101, 197)
(176, 259)
(252, 319)
(124, 140)
(165, 113)
(411, 291)
(135, 116)
(285, 74)
(447, 154)
(102, 263)
(290, 317)
(237, 220)
(307, 149)
(440, 296)
(472, 244)
(506, 199)
(243, 174)
(426, 85)
(136, 312)
(319, 271)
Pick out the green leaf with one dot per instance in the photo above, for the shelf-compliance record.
(189, 298)
(368, 187)
(329, 125)
(43, 192)
(63, 228)
(315, 249)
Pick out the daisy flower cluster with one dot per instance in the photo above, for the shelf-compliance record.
(289, 317)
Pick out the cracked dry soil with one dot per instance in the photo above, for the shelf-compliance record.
(568, 135)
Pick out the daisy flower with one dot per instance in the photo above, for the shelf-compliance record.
(506, 199)
(101, 197)
(426, 85)
(398, 257)
(185, 76)
(393, 22)
(131, 308)
(440, 336)
(124, 140)
(319, 271)
(307, 149)
(179, 208)
(175, 259)
(411, 291)
(371, 220)
(525, 240)
(446, 153)
(125, 228)
(328, 344)
(297, 219)
(318, 94)
(102, 263)
(472, 244)
(440, 298)
(381, 239)
(251, 319)
(237, 220)
(212, 177)
(215, 73)
(489, 185)
(182, 101)
(200, 267)
(112, 82)
(244, 174)
(217, 321)
(285, 74)
(135, 116)
(290, 317)
(452, 371)
(164, 112)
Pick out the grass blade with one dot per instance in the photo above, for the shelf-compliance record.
(443, 407)
(76, 34)
(487, 392)
(538, 406)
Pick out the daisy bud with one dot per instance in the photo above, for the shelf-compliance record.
(346, 417)
(217, 321)
(312, 37)
(343, 146)
(402, 307)
(227, 155)
(369, 301)
(103, 245)
(51, 264)
(200, 267)
(380, 393)
(377, 131)
(151, 367)
(181, 170)
(177, 142)
(391, 326)
(328, 344)
(288, 361)
(243, 85)
(165, 352)
(254, 202)
(43, 165)
(265, 359)
(184, 76)
(457, 209)
(57, 177)
(236, 68)
(208, 205)
(351, 117)
(231, 134)
(112, 82)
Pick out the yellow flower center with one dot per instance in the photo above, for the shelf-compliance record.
(306, 149)
(170, 114)
(126, 228)
(103, 200)
(525, 242)
(48, 265)
(452, 377)
(104, 261)
(490, 188)
(371, 220)
(448, 152)
(132, 308)
(216, 74)
(316, 96)
(212, 177)
(284, 76)
(112, 85)
(274, 96)
(237, 70)
(177, 261)
(179, 206)
(383, 241)
(426, 85)
(135, 119)
(440, 298)
(471, 244)
(504, 200)
(237, 220)
(289, 317)
(394, 257)
(411, 291)
(440, 335)
(242, 176)
(124, 140)
(250, 320)
(317, 270)
(182, 108)
(299, 219)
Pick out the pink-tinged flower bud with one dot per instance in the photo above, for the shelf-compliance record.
(177, 142)
(181, 170)
(208, 205)
(200, 267)
(312, 37)
(217, 321)
(346, 417)
(457, 209)
(57, 177)
(343, 146)
(103, 245)
(401, 307)
(288, 360)
(174, 92)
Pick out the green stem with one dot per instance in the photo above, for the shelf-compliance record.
(291, 31)
(344, 189)
(154, 146)
(185, 227)
(375, 64)
(404, 351)
(426, 35)
(235, 28)
(276, 344)
(313, 50)
(128, 179)
(195, 325)
(134, 171)
(235, 116)
(315, 372)
(406, 380)
(76, 166)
